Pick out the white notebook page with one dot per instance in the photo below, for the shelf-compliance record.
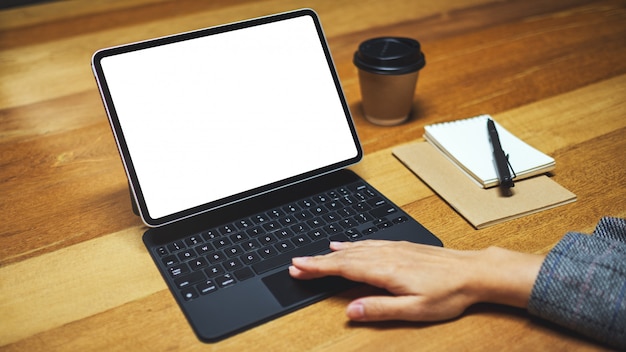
(466, 143)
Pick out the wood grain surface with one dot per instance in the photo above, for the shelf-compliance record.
(74, 274)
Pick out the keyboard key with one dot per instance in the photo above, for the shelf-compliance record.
(189, 293)
(361, 207)
(244, 224)
(284, 246)
(162, 251)
(353, 234)
(216, 257)
(333, 205)
(187, 254)
(332, 228)
(376, 202)
(243, 274)
(301, 240)
(343, 191)
(271, 226)
(399, 219)
(319, 210)
(255, 231)
(383, 211)
(348, 200)
(170, 260)
(362, 218)
(232, 264)
(267, 239)
(250, 258)
(303, 215)
(198, 263)
(190, 279)
(207, 287)
(370, 192)
(286, 221)
(317, 222)
(225, 280)
(291, 208)
(370, 230)
(344, 212)
(307, 203)
(176, 246)
(300, 228)
(222, 242)
(322, 198)
(317, 234)
(233, 251)
(331, 217)
(178, 270)
(360, 196)
(204, 249)
(267, 252)
(193, 240)
(357, 187)
(284, 233)
(227, 229)
(238, 237)
(210, 235)
(376, 222)
(259, 219)
(215, 270)
(276, 213)
(347, 223)
(250, 244)
(384, 224)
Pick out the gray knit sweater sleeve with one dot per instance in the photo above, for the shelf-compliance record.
(582, 283)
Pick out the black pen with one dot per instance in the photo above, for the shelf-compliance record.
(502, 160)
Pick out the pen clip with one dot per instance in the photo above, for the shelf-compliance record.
(510, 167)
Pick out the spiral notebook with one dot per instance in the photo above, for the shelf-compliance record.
(466, 143)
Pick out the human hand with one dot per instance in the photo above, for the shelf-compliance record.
(427, 283)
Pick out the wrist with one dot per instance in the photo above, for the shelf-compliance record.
(503, 276)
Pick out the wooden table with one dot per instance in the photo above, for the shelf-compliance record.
(74, 274)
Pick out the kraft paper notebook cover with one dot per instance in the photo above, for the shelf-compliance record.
(466, 143)
(481, 207)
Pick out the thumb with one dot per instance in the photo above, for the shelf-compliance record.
(378, 308)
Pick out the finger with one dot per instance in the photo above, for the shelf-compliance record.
(358, 261)
(409, 308)
(380, 308)
(297, 273)
(335, 246)
(354, 264)
(313, 267)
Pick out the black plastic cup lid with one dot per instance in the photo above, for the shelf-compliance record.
(390, 55)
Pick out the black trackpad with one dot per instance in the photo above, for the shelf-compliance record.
(288, 290)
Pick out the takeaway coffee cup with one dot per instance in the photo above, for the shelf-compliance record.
(388, 72)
